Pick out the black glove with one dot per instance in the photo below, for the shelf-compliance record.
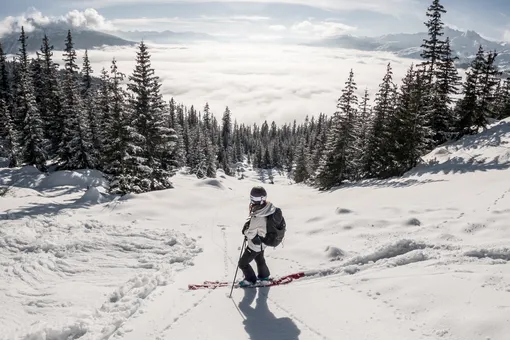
(257, 240)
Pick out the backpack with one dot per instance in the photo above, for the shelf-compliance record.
(276, 228)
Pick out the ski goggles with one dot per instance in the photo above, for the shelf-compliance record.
(257, 200)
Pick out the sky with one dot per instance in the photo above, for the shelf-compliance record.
(272, 19)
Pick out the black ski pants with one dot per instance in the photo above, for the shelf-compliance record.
(244, 264)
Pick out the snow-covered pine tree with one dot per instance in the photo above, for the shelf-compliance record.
(118, 148)
(302, 168)
(5, 113)
(210, 154)
(339, 161)
(32, 142)
(468, 108)
(92, 114)
(365, 120)
(186, 138)
(210, 130)
(433, 46)
(378, 160)
(155, 141)
(8, 140)
(197, 157)
(410, 124)
(225, 157)
(75, 148)
(102, 103)
(448, 81)
(86, 75)
(502, 107)
(317, 149)
(50, 105)
(5, 89)
(489, 81)
(172, 113)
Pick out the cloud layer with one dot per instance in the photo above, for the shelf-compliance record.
(258, 82)
(88, 18)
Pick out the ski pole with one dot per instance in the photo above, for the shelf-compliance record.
(237, 268)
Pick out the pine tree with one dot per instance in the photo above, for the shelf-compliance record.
(91, 111)
(365, 123)
(448, 81)
(8, 139)
(6, 129)
(5, 91)
(32, 142)
(103, 106)
(378, 159)
(197, 157)
(118, 148)
(75, 149)
(86, 71)
(433, 46)
(410, 124)
(50, 96)
(338, 163)
(302, 171)
(225, 157)
(154, 161)
(486, 91)
(502, 108)
(468, 108)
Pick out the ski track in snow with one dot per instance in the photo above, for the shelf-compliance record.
(294, 317)
(48, 262)
(206, 293)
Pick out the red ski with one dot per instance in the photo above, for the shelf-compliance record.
(272, 282)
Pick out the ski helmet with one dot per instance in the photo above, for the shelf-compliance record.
(258, 195)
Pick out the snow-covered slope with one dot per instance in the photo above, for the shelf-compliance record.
(425, 256)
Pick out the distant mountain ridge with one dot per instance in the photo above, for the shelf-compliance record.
(464, 44)
(57, 33)
(92, 39)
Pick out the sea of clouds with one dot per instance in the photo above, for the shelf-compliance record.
(257, 81)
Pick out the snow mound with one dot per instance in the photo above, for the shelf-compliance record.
(17, 192)
(413, 222)
(211, 183)
(495, 254)
(78, 178)
(334, 253)
(25, 177)
(391, 250)
(342, 211)
(92, 196)
(72, 330)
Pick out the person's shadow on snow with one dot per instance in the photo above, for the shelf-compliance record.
(260, 322)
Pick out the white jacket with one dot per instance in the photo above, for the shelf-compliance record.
(258, 226)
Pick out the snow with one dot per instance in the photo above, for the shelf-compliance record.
(425, 256)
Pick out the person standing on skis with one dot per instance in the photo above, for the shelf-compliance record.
(254, 231)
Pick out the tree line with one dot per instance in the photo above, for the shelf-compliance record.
(70, 119)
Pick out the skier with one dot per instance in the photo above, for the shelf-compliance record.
(255, 231)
